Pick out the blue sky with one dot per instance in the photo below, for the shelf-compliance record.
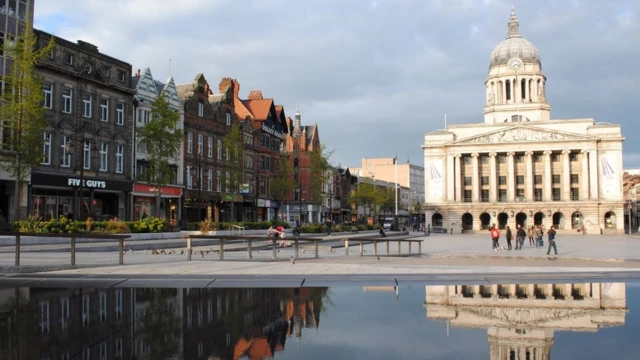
(375, 75)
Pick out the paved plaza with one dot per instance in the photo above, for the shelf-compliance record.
(460, 256)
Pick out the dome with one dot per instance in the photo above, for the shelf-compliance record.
(514, 46)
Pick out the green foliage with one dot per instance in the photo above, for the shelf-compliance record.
(150, 224)
(282, 183)
(318, 167)
(116, 226)
(371, 197)
(22, 113)
(163, 139)
(31, 224)
(195, 226)
(233, 144)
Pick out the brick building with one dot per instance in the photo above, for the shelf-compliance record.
(300, 143)
(86, 165)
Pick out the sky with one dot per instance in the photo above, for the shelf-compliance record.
(375, 75)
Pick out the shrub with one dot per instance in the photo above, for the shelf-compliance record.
(88, 223)
(149, 225)
(31, 224)
(310, 229)
(206, 225)
(115, 226)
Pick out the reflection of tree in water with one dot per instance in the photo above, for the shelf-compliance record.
(161, 327)
(19, 329)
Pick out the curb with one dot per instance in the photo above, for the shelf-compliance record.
(516, 257)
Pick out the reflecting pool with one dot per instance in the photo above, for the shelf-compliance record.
(498, 321)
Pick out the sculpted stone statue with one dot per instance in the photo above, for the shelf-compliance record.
(541, 94)
(491, 100)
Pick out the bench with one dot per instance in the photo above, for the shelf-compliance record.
(388, 239)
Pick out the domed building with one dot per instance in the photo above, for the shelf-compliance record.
(520, 166)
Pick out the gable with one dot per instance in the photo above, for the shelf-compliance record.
(171, 93)
(521, 133)
(146, 86)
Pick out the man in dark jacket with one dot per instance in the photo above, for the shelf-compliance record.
(520, 235)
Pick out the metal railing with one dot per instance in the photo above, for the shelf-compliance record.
(73, 240)
(239, 230)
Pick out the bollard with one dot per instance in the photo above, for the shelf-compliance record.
(420, 247)
(189, 248)
(221, 249)
(121, 243)
(399, 247)
(249, 249)
(274, 248)
(73, 250)
(17, 249)
(295, 245)
(346, 247)
(316, 241)
(387, 247)
(375, 248)
(410, 246)
(361, 248)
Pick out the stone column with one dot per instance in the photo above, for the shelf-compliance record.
(475, 179)
(534, 89)
(547, 176)
(566, 175)
(584, 177)
(451, 190)
(493, 183)
(504, 91)
(517, 89)
(593, 175)
(529, 176)
(458, 178)
(511, 193)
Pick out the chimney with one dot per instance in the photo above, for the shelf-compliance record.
(138, 72)
(255, 95)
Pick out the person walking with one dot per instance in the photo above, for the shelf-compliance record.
(509, 236)
(530, 235)
(538, 233)
(520, 235)
(495, 235)
(552, 241)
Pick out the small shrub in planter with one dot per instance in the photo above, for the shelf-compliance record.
(115, 226)
(206, 226)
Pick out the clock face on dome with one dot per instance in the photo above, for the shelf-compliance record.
(515, 64)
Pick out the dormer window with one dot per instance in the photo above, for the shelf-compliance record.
(68, 59)
(121, 76)
(200, 109)
(228, 119)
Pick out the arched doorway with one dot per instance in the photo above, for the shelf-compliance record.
(485, 221)
(467, 221)
(576, 220)
(538, 218)
(558, 220)
(502, 220)
(436, 220)
(521, 219)
(610, 220)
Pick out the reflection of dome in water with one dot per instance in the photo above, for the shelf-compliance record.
(514, 46)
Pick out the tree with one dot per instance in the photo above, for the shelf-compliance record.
(233, 178)
(163, 139)
(282, 183)
(22, 111)
(318, 170)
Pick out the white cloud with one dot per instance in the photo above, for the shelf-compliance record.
(389, 74)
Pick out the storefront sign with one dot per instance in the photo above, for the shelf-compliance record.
(154, 190)
(228, 197)
(272, 131)
(267, 203)
(261, 202)
(87, 183)
(274, 204)
(42, 179)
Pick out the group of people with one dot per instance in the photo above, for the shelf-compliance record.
(278, 232)
(534, 233)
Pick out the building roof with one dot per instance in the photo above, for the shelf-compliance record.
(514, 46)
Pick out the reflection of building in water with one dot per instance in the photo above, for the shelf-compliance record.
(521, 319)
(246, 323)
(39, 323)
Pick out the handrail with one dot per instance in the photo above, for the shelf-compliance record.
(239, 228)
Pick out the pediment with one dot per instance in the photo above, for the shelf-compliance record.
(521, 133)
(530, 316)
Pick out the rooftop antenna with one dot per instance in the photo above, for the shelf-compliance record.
(445, 121)
(169, 66)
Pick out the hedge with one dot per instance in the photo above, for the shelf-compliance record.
(195, 226)
(114, 226)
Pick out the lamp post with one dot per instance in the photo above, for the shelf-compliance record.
(330, 202)
(395, 170)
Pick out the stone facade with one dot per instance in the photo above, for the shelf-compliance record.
(520, 167)
(87, 146)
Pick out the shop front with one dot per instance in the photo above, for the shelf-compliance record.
(161, 201)
(59, 195)
(200, 205)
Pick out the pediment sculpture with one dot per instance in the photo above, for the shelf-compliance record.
(521, 134)
(530, 316)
